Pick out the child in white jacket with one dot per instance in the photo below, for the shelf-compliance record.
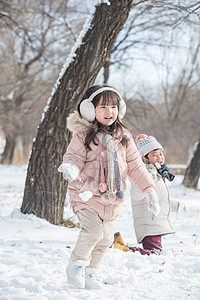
(150, 228)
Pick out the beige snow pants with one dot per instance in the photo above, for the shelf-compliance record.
(95, 237)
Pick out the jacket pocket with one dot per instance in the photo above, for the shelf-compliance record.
(86, 184)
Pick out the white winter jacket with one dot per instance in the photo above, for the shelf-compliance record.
(145, 223)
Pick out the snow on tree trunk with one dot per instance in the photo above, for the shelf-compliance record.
(45, 189)
(192, 173)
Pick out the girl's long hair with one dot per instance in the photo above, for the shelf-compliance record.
(116, 129)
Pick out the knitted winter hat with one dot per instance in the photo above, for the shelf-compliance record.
(147, 144)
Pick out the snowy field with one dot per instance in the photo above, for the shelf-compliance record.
(34, 253)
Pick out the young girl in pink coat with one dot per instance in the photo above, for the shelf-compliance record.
(98, 160)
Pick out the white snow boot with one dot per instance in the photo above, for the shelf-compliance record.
(76, 273)
(91, 280)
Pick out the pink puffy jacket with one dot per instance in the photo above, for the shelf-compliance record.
(130, 164)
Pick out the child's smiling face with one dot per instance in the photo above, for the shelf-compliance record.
(106, 114)
(156, 156)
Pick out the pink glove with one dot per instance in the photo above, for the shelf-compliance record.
(152, 200)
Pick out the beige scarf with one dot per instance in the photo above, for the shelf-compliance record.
(107, 179)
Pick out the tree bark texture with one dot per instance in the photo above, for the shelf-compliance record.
(45, 189)
(192, 173)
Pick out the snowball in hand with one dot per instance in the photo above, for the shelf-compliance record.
(85, 196)
(71, 171)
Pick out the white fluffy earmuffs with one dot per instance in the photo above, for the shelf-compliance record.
(87, 108)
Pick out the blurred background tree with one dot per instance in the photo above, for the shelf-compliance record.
(36, 37)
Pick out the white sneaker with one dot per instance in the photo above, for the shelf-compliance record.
(76, 274)
(91, 281)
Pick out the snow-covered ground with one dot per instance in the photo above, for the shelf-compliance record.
(34, 253)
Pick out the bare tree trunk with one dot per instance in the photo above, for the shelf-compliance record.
(45, 189)
(106, 70)
(7, 155)
(192, 173)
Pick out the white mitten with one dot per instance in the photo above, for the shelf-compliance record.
(71, 171)
(152, 200)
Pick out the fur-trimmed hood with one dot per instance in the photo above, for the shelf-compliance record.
(76, 124)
